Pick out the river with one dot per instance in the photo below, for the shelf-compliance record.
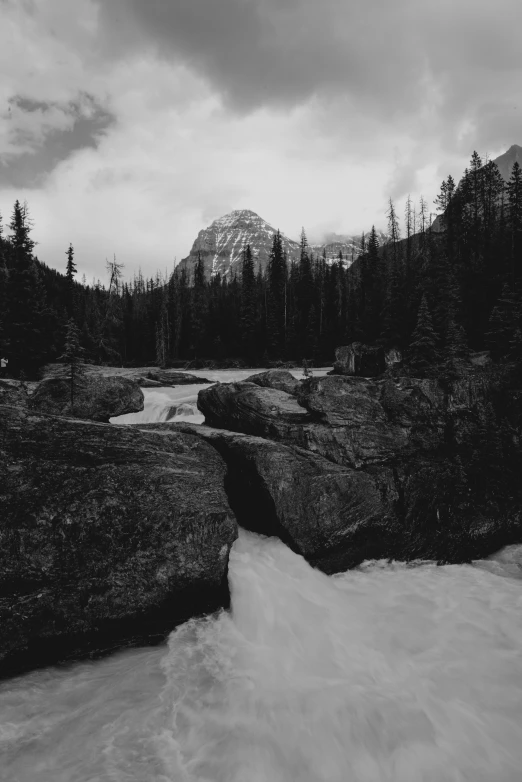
(180, 403)
(387, 673)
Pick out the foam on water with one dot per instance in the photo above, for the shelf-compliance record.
(389, 673)
(160, 403)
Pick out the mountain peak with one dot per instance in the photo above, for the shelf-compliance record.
(239, 213)
(505, 161)
(221, 244)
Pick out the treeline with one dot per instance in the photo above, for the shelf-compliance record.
(434, 293)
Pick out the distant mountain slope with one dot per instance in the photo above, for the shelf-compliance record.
(505, 162)
(505, 165)
(222, 243)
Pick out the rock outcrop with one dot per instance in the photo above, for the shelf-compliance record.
(107, 535)
(280, 379)
(359, 359)
(13, 392)
(146, 377)
(340, 418)
(95, 397)
(169, 377)
(328, 513)
(397, 439)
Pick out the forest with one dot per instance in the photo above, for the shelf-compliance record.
(433, 292)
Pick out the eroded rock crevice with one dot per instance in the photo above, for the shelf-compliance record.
(399, 445)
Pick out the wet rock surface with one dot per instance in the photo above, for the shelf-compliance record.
(359, 359)
(146, 377)
(13, 392)
(320, 509)
(94, 397)
(397, 440)
(280, 379)
(108, 535)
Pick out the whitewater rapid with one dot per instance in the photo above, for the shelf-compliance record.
(180, 403)
(387, 673)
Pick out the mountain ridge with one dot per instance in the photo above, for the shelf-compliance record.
(504, 164)
(221, 244)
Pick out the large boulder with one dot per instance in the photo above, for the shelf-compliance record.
(146, 377)
(337, 516)
(13, 392)
(95, 397)
(280, 379)
(170, 377)
(359, 359)
(340, 418)
(252, 409)
(334, 516)
(107, 535)
(453, 473)
(355, 422)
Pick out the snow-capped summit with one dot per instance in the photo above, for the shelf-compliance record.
(221, 244)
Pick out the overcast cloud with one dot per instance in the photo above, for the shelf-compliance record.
(131, 124)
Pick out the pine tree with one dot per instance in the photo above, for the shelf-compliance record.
(199, 308)
(456, 351)
(248, 303)
(505, 319)
(456, 342)
(394, 232)
(311, 336)
(372, 299)
(4, 314)
(393, 311)
(515, 347)
(276, 296)
(423, 346)
(514, 194)
(70, 271)
(162, 328)
(109, 326)
(496, 338)
(410, 230)
(305, 288)
(29, 341)
(73, 356)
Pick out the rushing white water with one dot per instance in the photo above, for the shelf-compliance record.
(389, 673)
(180, 403)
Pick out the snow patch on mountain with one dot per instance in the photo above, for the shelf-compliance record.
(221, 245)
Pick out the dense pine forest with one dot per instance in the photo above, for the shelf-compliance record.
(434, 293)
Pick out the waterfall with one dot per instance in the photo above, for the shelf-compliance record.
(387, 673)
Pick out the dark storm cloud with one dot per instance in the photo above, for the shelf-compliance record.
(276, 52)
(389, 56)
(37, 148)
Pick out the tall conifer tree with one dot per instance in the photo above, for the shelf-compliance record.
(70, 271)
(248, 303)
(422, 352)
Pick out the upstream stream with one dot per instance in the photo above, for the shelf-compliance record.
(180, 403)
(386, 673)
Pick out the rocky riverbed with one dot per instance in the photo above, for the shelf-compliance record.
(114, 534)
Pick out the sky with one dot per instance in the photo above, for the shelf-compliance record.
(130, 125)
